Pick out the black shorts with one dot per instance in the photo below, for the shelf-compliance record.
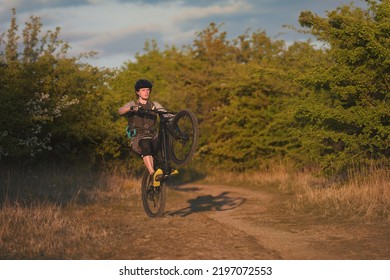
(144, 145)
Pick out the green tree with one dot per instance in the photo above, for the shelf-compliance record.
(50, 103)
(238, 86)
(346, 122)
(256, 98)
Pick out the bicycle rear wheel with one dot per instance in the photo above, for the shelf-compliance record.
(185, 135)
(153, 198)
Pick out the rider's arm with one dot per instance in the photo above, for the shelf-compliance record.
(126, 108)
(159, 107)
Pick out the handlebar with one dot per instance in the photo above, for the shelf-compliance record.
(156, 111)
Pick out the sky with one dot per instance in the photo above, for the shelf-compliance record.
(118, 29)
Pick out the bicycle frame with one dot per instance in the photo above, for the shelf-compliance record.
(163, 144)
(162, 141)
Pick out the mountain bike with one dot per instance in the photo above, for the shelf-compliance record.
(178, 136)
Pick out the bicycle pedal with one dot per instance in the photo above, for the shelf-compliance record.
(174, 172)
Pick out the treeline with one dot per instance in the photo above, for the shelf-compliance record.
(257, 99)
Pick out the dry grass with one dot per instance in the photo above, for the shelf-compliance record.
(52, 214)
(41, 231)
(276, 177)
(363, 197)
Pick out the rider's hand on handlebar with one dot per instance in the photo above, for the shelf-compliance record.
(135, 108)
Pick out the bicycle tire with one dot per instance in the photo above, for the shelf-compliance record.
(153, 198)
(184, 137)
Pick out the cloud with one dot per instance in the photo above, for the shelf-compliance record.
(123, 28)
(191, 13)
(117, 29)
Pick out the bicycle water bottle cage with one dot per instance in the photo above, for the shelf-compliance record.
(131, 132)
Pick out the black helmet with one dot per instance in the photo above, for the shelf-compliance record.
(142, 84)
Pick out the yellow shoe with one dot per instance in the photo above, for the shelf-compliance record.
(157, 177)
(174, 172)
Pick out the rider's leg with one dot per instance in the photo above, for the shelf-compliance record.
(148, 160)
(147, 152)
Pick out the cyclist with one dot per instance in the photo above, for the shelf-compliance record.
(142, 126)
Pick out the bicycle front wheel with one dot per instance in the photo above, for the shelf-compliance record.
(153, 198)
(184, 140)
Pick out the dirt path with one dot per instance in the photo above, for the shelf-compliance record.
(224, 222)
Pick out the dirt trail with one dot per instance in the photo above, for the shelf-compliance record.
(224, 222)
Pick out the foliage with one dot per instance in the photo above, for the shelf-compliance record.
(256, 99)
(346, 121)
(48, 102)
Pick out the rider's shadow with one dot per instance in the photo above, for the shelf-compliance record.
(206, 203)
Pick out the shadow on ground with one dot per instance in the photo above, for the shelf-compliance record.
(207, 203)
